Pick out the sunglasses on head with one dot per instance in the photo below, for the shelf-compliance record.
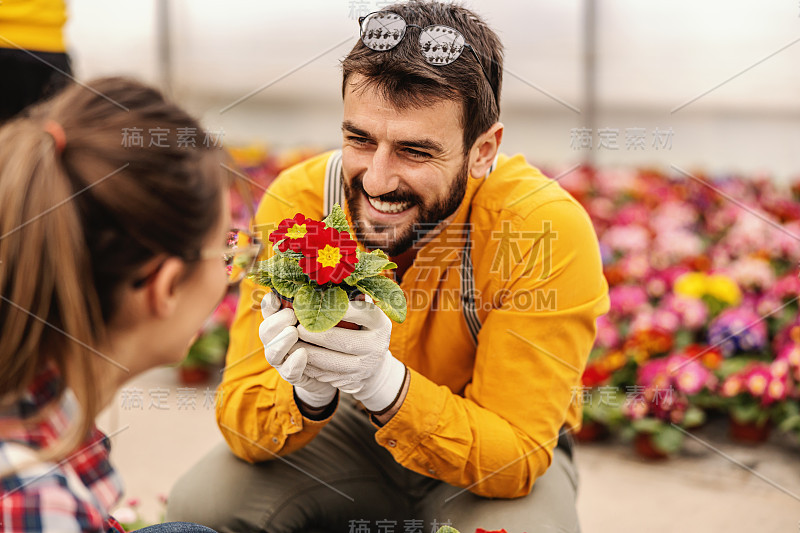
(439, 45)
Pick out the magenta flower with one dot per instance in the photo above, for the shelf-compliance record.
(607, 332)
(757, 380)
(627, 239)
(653, 373)
(689, 375)
(693, 312)
(627, 299)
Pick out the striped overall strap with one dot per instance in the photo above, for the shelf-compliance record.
(468, 280)
(334, 188)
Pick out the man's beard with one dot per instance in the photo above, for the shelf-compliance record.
(393, 240)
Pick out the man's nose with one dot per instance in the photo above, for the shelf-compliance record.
(380, 178)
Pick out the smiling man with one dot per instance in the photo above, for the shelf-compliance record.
(460, 413)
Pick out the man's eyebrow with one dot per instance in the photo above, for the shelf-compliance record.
(422, 144)
(349, 126)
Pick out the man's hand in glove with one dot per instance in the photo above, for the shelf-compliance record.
(357, 361)
(279, 336)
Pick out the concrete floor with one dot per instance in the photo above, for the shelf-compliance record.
(752, 489)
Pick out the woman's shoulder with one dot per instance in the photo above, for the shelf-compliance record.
(38, 495)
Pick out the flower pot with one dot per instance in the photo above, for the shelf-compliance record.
(286, 303)
(592, 431)
(193, 375)
(749, 432)
(643, 444)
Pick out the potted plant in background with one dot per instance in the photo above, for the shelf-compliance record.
(755, 397)
(208, 350)
(664, 403)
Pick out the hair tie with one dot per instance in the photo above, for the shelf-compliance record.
(57, 132)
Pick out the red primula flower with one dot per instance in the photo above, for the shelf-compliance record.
(292, 231)
(330, 255)
(595, 375)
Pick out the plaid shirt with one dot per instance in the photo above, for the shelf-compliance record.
(70, 496)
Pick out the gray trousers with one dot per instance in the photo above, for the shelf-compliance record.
(343, 481)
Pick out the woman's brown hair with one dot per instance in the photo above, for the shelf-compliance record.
(81, 215)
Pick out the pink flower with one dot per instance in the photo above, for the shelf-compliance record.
(732, 386)
(225, 311)
(777, 390)
(607, 333)
(601, 209)
(653, 373)
(786, 287)
(693, 312)
(690, 376)
(634, 213)
(635, 266)
(677, 244)
(673, 215)
(612, 182)
(789, 353)
(627, 299)
(757, 380)
(767, 304)
(627, 239)
(635, 409)
(751, 273)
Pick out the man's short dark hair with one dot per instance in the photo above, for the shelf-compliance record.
(406, 80)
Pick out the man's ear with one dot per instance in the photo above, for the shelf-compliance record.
(163, 290)
(485, 150)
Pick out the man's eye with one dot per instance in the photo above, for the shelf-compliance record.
(417, 154)
(357, 140)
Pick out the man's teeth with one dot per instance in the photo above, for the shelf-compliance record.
(389, 207)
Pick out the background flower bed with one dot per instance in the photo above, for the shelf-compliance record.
(703, 322)
(703, 277)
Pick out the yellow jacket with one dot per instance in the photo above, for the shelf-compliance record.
(33, 24)
(487, 417)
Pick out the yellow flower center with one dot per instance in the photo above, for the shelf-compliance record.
(297, 231)
(329, 256)
(757, 385)
(687, 380)
(731, 388)
(775, 389)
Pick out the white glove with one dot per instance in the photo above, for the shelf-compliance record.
(279, 336)
(357, 361)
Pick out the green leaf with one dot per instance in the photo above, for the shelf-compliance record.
(693, 417)
(337, 219)
(286, 275)
(208, 349)
(387, 295)
(260, 275)
(647, 425)
(320, 310)
(790, 423)
(745, 413)
(369, 264)
(668, 439)
(447, 529)
(288, 254)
